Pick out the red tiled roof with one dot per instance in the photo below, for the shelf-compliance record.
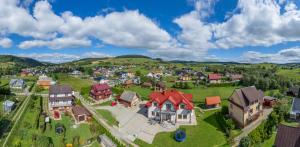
(100, 87)
(214, 76)
(174, 96)
(213, 100)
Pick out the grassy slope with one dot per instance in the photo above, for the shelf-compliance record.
(75, 83)
(206, 133)
(108, 116)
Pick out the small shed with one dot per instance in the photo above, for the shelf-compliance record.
(105, 141)
(213, 102)
(269, 101)
(128, 98)
(8, 105)
(81, 114)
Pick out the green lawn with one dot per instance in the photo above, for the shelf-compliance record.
(206, 134)
(199, 93)
(75, 83)
(108, 117)
(82, 130)
(270, 142)
(143, 92)
(27, 129)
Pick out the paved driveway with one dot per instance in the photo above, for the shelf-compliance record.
(133, 121)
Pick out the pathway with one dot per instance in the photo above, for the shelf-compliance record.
(114, 131)
(17, 116)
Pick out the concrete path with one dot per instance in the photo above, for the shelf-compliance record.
(114, 131)
(252, 126)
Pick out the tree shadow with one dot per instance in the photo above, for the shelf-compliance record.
(5, 126)
(212, 120)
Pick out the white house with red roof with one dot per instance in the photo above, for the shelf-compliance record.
(170, 105)
(214, 78)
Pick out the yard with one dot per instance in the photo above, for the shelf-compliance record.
(30, 133)
(75, 83)
(108, 117)
(206, 133)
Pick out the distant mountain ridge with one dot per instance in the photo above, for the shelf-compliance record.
(24, 61)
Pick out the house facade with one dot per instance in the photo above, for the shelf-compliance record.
(81, 114)
(214, 78)
(45, 82)
(100, 91)
(170, 105)
(17, 84)
(246, 105)
(129, 98)
(60, 97)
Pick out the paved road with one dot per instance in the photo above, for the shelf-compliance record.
(114, 131)
(252, 126)
(17, 116)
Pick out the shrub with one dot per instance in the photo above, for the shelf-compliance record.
(245, 142)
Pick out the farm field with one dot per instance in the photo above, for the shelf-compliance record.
(293, 74)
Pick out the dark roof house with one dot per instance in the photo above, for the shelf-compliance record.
(293, 91)
(287, 136)
(60, 92)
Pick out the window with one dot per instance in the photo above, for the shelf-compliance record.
(155, 104)
(181, 106)
(169, 106)
(157, 114)
(179, 116)
(251, 111)
(184, 116)
(153, 113)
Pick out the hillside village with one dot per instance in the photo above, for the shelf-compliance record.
(139, 101)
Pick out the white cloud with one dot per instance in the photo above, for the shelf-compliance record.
(61, 57)
(57, 43)
(129, 29)
(5, 42)
(291, 55)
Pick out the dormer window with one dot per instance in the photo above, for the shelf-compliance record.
(154, 104)
(181, 106)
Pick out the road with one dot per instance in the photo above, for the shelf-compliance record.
(252, 126)
(18, 115)
(115, 132)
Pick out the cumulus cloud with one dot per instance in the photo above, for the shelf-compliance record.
(61, 57)
(57, 43)
(291, 55)
(253, 23)
(129, 29)
(5, 42)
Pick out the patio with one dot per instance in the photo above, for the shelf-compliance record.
(134, 123)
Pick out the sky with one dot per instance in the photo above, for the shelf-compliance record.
(251, 31)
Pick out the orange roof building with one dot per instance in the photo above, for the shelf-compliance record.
(213, 101)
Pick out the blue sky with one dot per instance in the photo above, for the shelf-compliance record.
(208, 30)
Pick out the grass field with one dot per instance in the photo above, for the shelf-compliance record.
(75, 83)
(143, 92)
(206, 134)
(108, 117)
(293, 74)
